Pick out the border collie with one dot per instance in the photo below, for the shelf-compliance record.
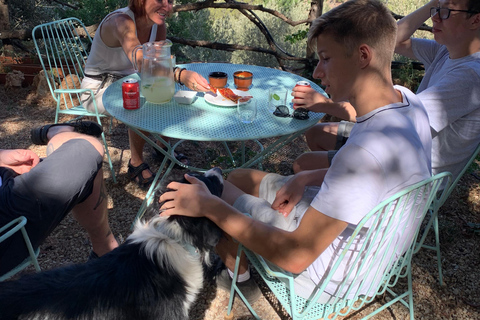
(156, 274)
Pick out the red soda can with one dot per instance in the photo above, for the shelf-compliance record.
(131, 94)
(300, 84)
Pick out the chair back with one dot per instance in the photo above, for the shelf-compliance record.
(382, 245)
(449, 187)
(9, 230)
(63, 48)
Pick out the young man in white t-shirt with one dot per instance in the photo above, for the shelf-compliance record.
(298, 228)
(449, 90)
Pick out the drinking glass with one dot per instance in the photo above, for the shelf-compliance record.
(277, 96)
(247, 110)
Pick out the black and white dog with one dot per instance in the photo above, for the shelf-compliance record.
(155, 274)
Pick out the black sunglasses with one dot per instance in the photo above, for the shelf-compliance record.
(444, 13)
(283, 111)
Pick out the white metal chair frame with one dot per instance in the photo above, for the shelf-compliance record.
(375, 226)
(63, 52)
(7, 231)
(433, 214)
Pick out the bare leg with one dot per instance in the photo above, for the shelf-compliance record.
(227, 247)
(136, 148)
(247, 180)
(322, 136)
(91, 214)
(320, 139)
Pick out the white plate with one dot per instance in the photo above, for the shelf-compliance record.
(221, 101)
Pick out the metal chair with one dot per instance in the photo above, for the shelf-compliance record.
(433, 214)
(63, 47)
(7, 231)
(400, 215)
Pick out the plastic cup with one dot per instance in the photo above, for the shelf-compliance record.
(276, 96)
(247, 110)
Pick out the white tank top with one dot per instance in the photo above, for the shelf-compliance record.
(103, 59)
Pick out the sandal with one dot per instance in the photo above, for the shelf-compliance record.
(179, 156)
(39, 135)
(135, 175)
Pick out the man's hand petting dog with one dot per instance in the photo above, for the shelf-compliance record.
(189, 200)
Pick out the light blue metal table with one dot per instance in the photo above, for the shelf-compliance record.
(202, 121)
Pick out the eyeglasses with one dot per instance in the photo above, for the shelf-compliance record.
(283, 112)
(444, 13)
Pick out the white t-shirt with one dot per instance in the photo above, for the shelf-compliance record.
(388, 150)
(450, 92)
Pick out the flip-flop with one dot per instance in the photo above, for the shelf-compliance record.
(39, 135)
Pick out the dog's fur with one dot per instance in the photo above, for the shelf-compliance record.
(155, 274)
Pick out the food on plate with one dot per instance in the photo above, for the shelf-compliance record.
(229, 94)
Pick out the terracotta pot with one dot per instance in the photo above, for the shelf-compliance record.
(243, 80)
(218, 79)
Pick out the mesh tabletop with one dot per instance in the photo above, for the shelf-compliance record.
(202, 121)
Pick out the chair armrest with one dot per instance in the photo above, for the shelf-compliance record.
(20, 222)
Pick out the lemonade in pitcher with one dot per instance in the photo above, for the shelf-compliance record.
(158, 90)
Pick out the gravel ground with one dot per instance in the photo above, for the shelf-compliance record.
(23, 109)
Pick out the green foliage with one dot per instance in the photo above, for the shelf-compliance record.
(92, 11)
(297, 36)
(287, 4)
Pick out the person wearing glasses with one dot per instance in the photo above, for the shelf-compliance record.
(300, 222)
(449, 89)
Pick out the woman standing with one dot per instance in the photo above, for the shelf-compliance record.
(111, 59)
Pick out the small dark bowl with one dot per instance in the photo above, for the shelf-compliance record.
(218, 79)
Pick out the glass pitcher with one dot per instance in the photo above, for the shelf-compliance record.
(157, 83)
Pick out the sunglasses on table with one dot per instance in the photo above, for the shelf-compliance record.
(283, 112)
(444, 13)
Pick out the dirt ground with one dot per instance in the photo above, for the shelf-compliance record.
(21, 110)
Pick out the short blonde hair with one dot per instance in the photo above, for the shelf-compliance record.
(357, 22)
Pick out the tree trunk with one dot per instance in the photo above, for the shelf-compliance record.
(316, 10)
(4, 18)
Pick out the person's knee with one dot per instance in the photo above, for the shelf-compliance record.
(299, 163)
(322, 136)
(247, 180)
(96, 143)
(238, 175)
(63, 137)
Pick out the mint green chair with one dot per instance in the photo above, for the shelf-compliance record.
(433, 215)
(7, 231)
(411, 205)
(63, 48)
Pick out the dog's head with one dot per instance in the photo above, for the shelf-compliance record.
(200, 233)
(204, 234)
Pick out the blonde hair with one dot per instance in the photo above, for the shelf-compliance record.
(357, 22)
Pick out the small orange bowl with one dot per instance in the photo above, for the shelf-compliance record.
(242, 79)
(218, 79)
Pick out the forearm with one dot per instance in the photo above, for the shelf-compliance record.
(343, 110)
(273, 244)
(312, 177)
(2, 151)
(410, 23)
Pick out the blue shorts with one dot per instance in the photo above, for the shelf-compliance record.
(45, 195)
